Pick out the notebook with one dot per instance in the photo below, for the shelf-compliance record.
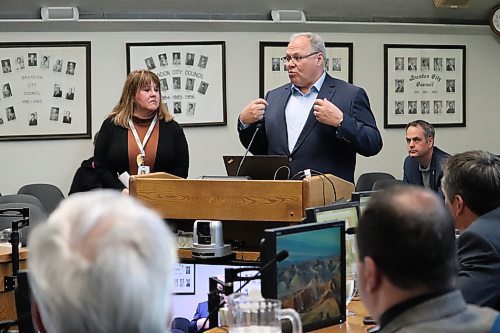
(263, 167)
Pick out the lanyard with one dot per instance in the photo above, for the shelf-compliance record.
(142, 144)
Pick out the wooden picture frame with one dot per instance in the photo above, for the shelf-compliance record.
(184, 279)
(424, 82)
(192, 77)
(45, 90)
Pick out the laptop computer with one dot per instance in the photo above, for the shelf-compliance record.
(261, 167)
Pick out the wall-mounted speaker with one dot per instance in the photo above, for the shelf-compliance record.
(60, 13)
(288, 16)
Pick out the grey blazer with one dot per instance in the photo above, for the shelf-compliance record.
(446, 313)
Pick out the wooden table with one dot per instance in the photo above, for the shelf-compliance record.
(7, 301)
(354, 323)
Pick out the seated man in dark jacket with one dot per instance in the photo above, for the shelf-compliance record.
(422, 166)
(471, 185)
(85, 178)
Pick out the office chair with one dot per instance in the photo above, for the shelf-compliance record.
(181, 324)
(36, 215)
(386, 183)
(366, 180)
(50, 195)
(22, 198)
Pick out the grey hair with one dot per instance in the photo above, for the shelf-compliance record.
(102, 263)
(429, 131)
(475, 176)
(317, 43)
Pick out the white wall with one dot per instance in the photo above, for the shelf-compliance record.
(56, 161)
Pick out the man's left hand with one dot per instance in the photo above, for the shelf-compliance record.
(327, 113)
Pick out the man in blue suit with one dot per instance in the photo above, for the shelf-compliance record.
(422, 166)
(319, 122)
(199, 318)
(471, 184)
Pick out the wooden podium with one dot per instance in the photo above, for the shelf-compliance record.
(229, 199)
(245, 207)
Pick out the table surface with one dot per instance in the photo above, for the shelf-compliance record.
(354, 322)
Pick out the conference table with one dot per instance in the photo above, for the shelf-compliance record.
(354, 322)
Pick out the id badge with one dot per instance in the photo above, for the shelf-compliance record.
(143, 169)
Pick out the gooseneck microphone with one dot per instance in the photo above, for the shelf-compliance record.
(257, 128)
(280, 256)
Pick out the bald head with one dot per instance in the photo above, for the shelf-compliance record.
(409, 233)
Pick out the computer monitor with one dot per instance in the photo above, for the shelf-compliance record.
(312, 278)
(186, 299)
(263, 167)
(362, 197)
(347, 211)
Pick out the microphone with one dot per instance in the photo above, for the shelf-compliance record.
(258, 127)
(350, 231)
(280, 256)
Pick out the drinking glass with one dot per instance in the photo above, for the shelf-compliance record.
(351, 253)
(249, 315)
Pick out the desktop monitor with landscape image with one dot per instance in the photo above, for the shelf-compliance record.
(312, 278)
(346, 211)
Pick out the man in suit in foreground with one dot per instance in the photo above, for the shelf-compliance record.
(407, 266)
(102, 262)
(422, 166)
(319, 122)
(471, 185)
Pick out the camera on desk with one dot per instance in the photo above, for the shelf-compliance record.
(208, 241)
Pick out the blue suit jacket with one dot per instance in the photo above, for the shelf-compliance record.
(320, 147)
(201, 312)
(412, 174)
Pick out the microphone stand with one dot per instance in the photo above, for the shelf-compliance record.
(10, 281)
(258, 127)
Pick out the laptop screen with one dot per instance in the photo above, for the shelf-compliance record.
(263, 167)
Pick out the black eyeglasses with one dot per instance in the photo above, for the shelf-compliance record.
(287, 59)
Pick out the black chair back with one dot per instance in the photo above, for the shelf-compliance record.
(366, 180)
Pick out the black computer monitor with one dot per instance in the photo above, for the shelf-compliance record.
(362, 198)
(312, 278)
(186, 298)
(347, 211)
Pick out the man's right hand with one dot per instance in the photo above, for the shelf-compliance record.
(253, 112)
